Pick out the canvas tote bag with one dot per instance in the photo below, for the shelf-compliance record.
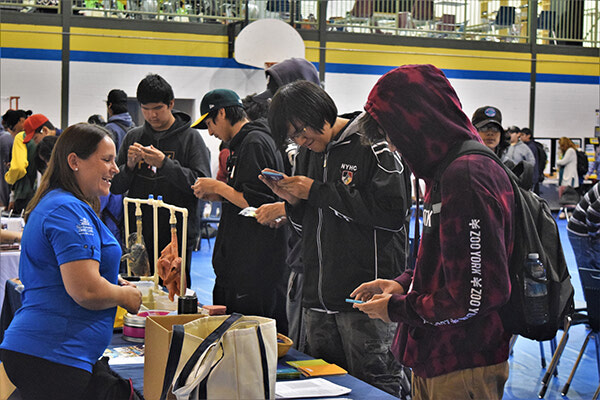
(222, 357)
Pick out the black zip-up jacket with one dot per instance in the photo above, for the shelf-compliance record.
(352, 223)
(187, 158)
(248, 255)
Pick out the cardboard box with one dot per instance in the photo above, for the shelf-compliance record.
(157, 341)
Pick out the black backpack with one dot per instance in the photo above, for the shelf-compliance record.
(535, 231)
(582, 164)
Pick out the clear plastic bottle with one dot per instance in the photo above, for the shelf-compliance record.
(207, 209)
(535, 291)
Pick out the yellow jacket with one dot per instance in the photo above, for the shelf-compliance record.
(18, 161)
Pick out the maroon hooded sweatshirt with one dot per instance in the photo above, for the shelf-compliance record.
(448, 318)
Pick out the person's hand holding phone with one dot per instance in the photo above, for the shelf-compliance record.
(272, 175)
(266, 177)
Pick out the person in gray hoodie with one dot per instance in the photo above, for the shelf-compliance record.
(518, 151)
(119, 119)
(163, 157)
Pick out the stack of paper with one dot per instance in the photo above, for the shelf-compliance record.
(317, 367)
(303, 388)
(121, 355)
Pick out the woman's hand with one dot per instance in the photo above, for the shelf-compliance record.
(132, 298)
(125, 282)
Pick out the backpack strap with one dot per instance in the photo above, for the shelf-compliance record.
(121, 125)
(464, 148)
(417, 233)
(432, 210)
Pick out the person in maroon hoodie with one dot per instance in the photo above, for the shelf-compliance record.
(449, 330)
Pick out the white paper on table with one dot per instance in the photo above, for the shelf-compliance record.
(303, 388)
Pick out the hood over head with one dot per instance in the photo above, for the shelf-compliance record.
(288, 71)
(421, 114)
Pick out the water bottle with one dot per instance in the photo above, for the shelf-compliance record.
(536, 291)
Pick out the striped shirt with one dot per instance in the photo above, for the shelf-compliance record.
(586, 217)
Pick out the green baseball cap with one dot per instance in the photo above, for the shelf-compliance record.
(213, 100)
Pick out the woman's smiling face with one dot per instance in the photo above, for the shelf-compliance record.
(94, 174)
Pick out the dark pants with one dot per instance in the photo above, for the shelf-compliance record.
(262, 302)
(296, 328)
(37, 378)
(358, 344)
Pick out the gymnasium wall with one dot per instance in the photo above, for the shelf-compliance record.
(567, 90)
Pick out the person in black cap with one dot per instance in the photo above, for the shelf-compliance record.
(248, 258)
(516, 156)
(119, 120)
(488, 121)
(163, 157)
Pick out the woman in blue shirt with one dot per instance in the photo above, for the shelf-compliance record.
(69, 266)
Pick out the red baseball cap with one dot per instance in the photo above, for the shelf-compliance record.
(32, 124)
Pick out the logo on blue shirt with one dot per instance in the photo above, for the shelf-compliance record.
(84, 227)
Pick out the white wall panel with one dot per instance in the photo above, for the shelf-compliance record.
(37, 83)
(566, 109)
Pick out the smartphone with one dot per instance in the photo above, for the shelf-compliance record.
(272, 175)
(354, 301)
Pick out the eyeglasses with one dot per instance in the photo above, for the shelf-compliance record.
(490, 129)
(297, 133)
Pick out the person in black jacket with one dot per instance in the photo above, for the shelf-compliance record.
(248, 258)
(348, 202)
(163, 157)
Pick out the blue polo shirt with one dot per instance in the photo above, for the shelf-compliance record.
(50, 324)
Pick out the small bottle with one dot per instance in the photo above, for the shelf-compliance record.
(535, 291)
(207, 210)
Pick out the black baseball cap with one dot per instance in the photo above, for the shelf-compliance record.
(487, 115)
(116, 96)
(213, 100)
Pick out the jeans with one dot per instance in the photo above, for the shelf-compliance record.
(358, 344)
(586, 250)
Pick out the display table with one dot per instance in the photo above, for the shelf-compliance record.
(360, 390)
(12, 224)
(9, 268)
